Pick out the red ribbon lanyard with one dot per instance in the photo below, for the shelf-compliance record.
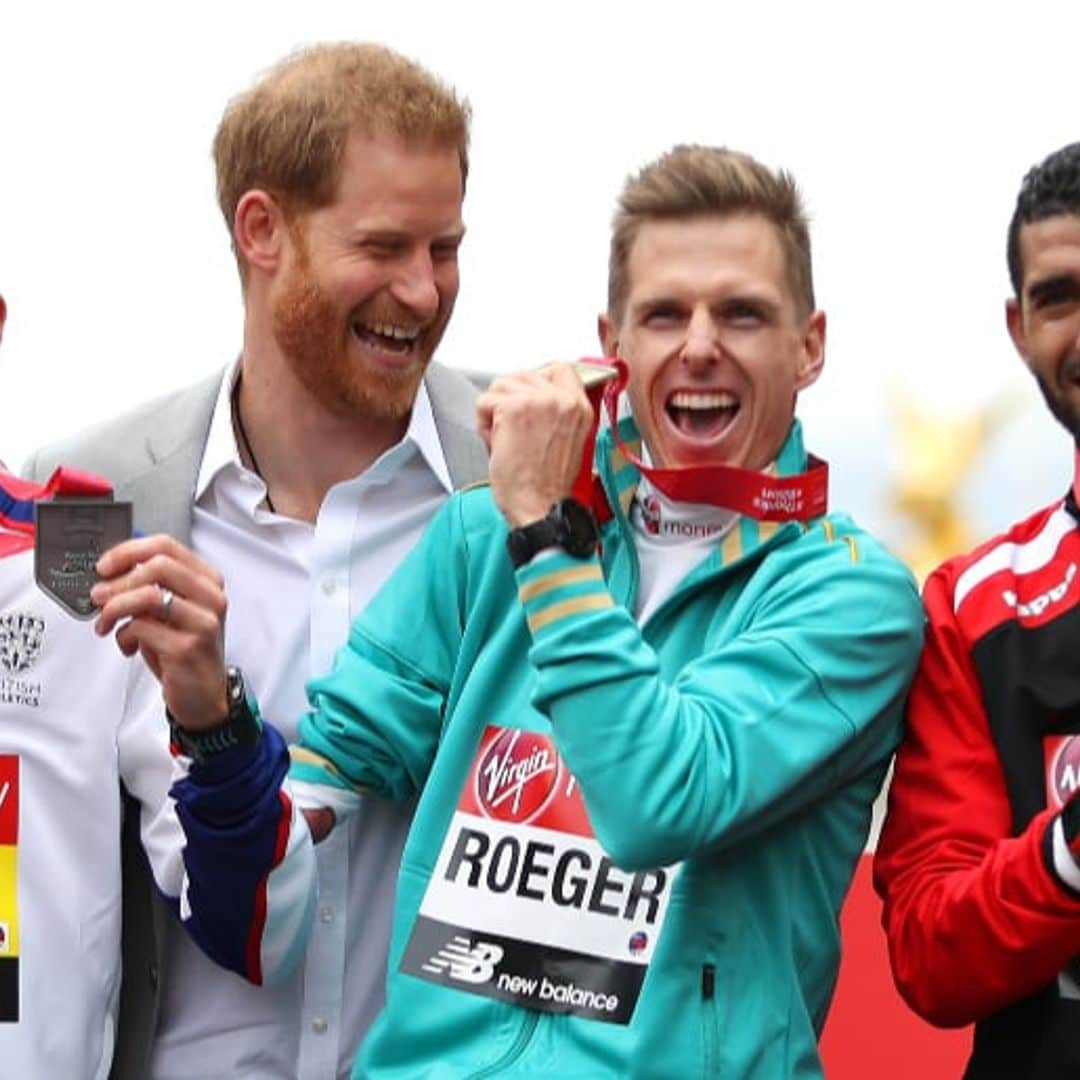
(754, 494)
(64, 481)
(17, 529)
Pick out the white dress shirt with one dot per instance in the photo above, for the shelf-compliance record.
(293, 590)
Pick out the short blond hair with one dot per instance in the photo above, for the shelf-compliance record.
(287, 134)
(698, 181)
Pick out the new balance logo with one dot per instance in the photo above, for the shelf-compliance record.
(1036, 606)
(459, 960)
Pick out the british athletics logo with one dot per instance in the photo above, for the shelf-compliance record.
(523, 904)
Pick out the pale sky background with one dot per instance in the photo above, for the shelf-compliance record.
(909, 126)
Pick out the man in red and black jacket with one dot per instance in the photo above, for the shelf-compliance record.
(979, 860)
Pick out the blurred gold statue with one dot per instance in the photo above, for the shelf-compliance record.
(935, 455)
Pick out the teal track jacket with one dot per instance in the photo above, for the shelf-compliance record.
(738, 738)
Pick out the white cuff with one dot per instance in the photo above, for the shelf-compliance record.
(322, 796)
(1064, 862)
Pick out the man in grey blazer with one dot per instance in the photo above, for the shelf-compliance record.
(303, 473)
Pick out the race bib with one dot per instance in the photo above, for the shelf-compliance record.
(9, 914)
(523, 904)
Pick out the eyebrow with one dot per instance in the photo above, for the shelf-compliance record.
(657, 300)
(380, 234)
(675, 298)
(1058, 287)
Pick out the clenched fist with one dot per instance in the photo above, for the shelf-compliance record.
(535, 425)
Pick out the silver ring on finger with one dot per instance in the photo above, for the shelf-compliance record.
(167, 597)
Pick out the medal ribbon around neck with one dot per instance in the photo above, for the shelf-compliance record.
(757, 495)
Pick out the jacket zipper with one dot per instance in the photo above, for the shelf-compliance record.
(515, 1050)
(708, 1016)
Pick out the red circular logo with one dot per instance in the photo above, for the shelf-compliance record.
(517, 776)
(1066, 775)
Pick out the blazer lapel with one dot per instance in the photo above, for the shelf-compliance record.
(453, 403)
(174, 444)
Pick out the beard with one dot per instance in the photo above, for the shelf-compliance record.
(1066, 414)
(315, 338)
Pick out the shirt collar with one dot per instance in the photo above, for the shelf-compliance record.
(222, 451)
(425, 435)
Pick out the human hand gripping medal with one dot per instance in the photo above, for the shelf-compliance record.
(759, 495)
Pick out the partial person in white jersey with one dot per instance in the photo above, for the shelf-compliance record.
(305, 471)
(77, 721)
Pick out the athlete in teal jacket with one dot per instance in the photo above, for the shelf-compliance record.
(738, 739)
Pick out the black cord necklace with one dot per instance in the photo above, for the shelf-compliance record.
(241, 431)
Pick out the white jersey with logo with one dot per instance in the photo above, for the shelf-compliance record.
(76, 720)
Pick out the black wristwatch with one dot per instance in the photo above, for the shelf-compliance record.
(568, 525)
(241, 727)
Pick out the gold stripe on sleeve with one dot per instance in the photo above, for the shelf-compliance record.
(568, 607)
(309, 757)
(570, 576)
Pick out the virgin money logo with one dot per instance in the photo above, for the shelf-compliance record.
(650, 514)
(1065, 770)
(517, 777)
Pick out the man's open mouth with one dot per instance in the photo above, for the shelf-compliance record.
(700, 414)
(398, 340)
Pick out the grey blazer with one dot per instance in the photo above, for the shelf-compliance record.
(152, 455)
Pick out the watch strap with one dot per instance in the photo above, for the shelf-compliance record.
(526, 540)
(568, 524)
(241, 727)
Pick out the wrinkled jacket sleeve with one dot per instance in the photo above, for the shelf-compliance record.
(229, 852)
(807, 697)
(975, 916)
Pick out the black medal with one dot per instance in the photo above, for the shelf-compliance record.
(71, 534)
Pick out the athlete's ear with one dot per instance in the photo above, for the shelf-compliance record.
(1014, 320)
(608, 334)
(812, 359)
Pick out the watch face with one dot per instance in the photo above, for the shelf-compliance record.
(579, 527)
(519, 548)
